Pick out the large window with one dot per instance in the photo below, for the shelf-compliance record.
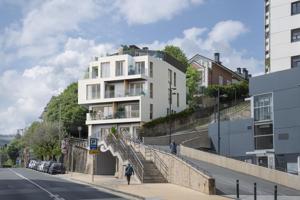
(151, 111)
(296, 8)
(95, 72)
(174, 79)
(263, 107)
(119, 68)
(151, 70)
(136, 89)
(105, 70)
(295, 35)
(263, 136)
(170, 76)
(151, 90)
(295, 61)
(93, 91)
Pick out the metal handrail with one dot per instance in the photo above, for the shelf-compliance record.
(127, 153)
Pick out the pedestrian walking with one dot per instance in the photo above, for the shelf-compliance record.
(129, 172)
(173, 147)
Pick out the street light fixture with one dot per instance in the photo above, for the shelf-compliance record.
(79, 128)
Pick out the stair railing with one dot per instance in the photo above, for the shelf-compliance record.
(127, 153)
(159, 163)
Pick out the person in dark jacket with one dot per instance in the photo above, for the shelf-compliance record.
(173, 147)
(129, 172)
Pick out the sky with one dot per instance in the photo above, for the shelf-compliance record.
(47, 44)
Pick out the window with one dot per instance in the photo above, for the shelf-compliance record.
(295, 61)
(93, 91)
(295, 35)
(105, 70)
(151, 70)
(296, 8)
(178, 100)
(119, 68)
(263, 107)
(175, 79)
(170, 76)
(220, 80)
(151, 90)
(139, 68)
(95, 72)
(151, 111)
(136, 89)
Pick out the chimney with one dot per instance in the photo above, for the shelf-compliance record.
(239, 70)
(120, 50)
(217, 58)
(245, 73)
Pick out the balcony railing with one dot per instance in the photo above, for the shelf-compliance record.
(113, 94)
(116, 115)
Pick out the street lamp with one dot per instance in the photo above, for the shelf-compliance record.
(170, 109)
(79, 128)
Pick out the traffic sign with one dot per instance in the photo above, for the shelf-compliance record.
(94, 151)
(93, 143)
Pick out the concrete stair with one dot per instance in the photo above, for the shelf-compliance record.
(151, 172)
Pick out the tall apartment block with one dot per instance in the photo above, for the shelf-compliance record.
(129, 88)
(282, 35)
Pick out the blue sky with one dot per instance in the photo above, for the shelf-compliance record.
(45, 45)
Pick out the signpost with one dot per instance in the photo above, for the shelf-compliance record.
(93, 150)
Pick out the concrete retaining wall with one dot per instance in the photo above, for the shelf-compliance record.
(282, 178)
(183, 174)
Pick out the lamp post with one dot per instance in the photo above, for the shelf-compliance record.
(79, 128)
(170, 109)
(219, 137)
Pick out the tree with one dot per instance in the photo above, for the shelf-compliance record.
(177, 53)
(13, 149)
(65, 107)
(192, 79)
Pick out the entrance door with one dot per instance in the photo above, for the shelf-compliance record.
(263, 161)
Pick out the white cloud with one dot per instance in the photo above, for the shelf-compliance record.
(218, 39)
(26, 93)
(149, 11)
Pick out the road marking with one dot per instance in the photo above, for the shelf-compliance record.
(54, 196)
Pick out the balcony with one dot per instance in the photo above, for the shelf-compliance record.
(127, 93)
(115, 117)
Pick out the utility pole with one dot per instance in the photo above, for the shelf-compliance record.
(219, 137)
(170, 109)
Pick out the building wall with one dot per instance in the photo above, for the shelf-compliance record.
(281, 22)
(285, 86)
(236, 137)
(216, 72)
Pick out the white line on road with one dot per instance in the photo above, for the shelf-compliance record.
(54, 196)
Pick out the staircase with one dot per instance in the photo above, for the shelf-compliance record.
(145, 170)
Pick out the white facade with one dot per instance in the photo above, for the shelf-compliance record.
(120, 91)
(282, 39)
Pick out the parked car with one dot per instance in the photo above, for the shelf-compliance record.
(31, 164)
(47, 166)
(56, 168)
(35, 165)
(41, 166)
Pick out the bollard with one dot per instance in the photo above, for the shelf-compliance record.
(275, 192)
(237, 189)
(255, 194)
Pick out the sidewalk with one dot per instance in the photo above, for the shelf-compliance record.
(161, 191)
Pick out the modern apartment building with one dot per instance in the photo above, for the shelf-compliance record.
(282, 35)
(213, 72)
(128, 88)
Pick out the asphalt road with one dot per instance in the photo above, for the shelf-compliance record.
(226, 182)
(23, 184)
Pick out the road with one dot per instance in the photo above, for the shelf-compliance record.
(226, 182)
(23, 184)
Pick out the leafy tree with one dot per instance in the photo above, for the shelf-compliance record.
(13, 149)
(177, 53)
(65, 107)
(192, 74)
(192, 79)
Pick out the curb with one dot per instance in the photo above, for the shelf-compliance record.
(107, 188)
